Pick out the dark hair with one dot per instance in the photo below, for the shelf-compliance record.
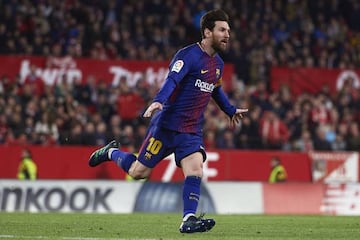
(208, 19)
(28, 152)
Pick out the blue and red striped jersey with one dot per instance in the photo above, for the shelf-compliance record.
(194, 77)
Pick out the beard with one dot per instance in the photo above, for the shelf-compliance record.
(219, 46)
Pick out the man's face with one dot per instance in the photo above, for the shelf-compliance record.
(25, 153)
(220, 36)
(274, 162)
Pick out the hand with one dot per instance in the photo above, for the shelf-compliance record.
(238, 115)
(152, 109)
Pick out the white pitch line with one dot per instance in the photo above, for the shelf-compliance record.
(69, 238)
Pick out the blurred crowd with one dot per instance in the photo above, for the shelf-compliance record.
(265, 33)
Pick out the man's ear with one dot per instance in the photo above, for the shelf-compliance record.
(207, 32)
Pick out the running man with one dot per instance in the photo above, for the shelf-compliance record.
(177, 112)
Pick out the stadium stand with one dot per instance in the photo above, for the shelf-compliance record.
(265, 33)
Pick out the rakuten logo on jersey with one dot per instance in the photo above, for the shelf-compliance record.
(204, 86)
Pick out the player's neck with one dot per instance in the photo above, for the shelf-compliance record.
(206, 47)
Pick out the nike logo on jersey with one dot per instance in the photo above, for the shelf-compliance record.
(202, 71)
(204, 86)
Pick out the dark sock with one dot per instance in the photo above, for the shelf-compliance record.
(123, 159)
(191, 194)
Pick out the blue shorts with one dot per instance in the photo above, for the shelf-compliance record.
(160, 143)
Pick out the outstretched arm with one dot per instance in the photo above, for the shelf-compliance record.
(161, 97)
(235, 114)
(152, 109)
(238, 115)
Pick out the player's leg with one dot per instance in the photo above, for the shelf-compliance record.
(192, 167)
(111, 152)
(156, 146)
(190, 157)
(125, 160)
(153, 150)
(102, 155)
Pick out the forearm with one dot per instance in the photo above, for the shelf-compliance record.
(222, 101)
(165, 91)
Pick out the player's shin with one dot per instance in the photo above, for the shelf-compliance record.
(123, 159)
(191, 195)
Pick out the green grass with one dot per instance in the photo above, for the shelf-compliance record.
(165, 226)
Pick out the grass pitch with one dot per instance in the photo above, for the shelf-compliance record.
(165, 226)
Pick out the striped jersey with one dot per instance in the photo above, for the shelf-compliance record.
(194, 77)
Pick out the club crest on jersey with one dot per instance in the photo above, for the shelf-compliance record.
(147, 155)
(177, 66)
(217, 72)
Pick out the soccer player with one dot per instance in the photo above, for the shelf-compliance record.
(177, 112)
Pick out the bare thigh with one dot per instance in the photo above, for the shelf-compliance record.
(192, 165)
(139, 170)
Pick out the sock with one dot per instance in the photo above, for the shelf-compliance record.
(123, 159)
(191, 195)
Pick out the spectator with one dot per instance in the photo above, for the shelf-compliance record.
(83, 93)
(210, 140)
(320, 142)
(278, 172)
(248, 135)
(104, 108)
(58, 60)
(305, 143)
(75, 136)
(101, 134)
(130, 104)
(319, 114)
(139, 136)
(339, 144)
(89, 135)
(273, 131)
(226, 139)
(27, 167)
(354, 137)
(35, 83)
(47, 128)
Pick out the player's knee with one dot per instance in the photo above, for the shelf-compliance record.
(137, 175)
(193, 171)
